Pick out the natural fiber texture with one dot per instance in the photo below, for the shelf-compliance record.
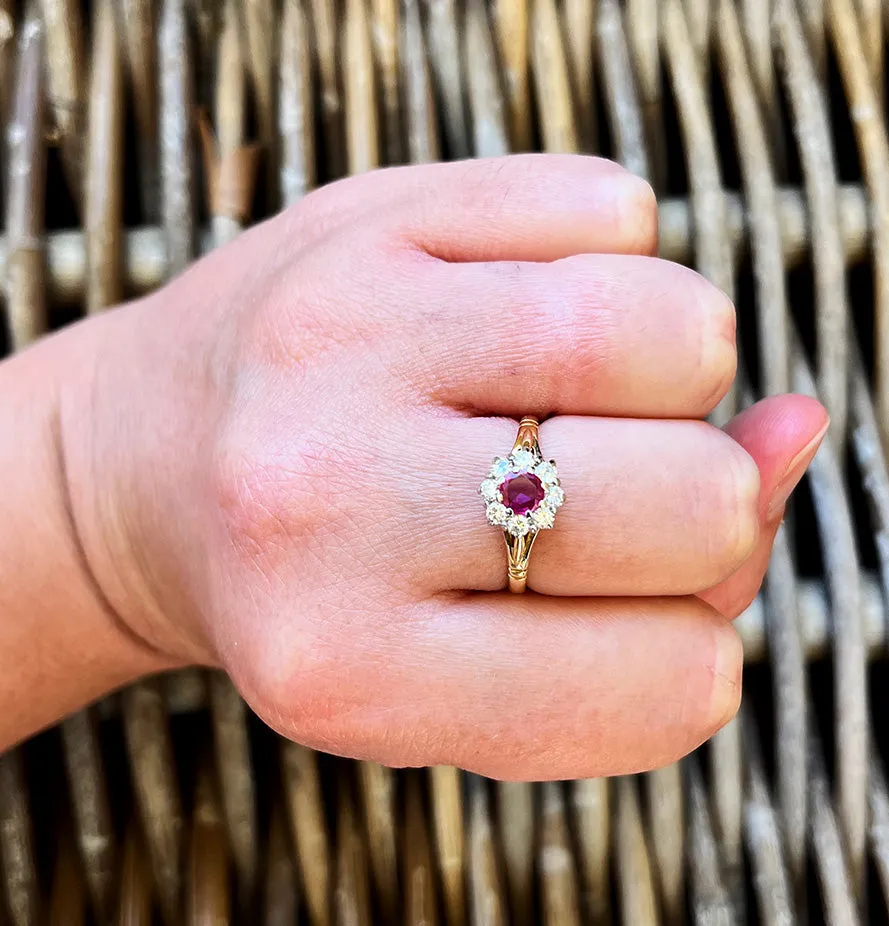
(761, 125)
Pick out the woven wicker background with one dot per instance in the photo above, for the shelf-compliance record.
(141, 132)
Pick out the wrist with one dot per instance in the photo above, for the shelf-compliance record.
(130, 432)
(62, 642)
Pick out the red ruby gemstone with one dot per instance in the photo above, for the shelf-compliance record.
(522, 492)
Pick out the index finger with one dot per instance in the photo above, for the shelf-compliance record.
(534, 207)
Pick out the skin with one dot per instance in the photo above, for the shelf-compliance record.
(271, 466)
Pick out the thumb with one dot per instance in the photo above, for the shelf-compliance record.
(782, 434)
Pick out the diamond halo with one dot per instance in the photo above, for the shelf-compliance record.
(522, 492)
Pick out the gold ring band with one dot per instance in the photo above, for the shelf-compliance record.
(522, 494)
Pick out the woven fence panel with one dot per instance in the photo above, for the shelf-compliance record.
(141, 133)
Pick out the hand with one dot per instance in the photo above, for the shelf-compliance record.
(280, 476)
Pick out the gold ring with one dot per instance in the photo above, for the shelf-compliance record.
(522, 494)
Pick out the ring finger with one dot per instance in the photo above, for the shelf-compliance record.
(652, 508)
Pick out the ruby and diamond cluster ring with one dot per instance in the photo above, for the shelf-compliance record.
(522, 494)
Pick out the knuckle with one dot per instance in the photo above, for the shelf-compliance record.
(638, 214)
(712, 688)
(736, 525)
(726, 674)
(288, 684)
(718, 352)
(583, 330)
(266, 501)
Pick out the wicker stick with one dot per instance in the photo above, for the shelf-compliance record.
(643, 38)
(208, 895)
(870, 130)
(878, 836)
(378, 797)
(302, 790)
(635, 883)
(420, 900)
(871, 459)
(813, 138)
(295, 117)
(761, 196)
(489, 122)
(487, 901)
(205, 19)
(837, 885)
(549, 67)
(137, 18)
(443, 43)
(850, 681)
(666, 813)
(176, 103)
(712, 900)
(67, 906)
(755, 18)
(157, 795)
(698, 15)
(16, 843)
(25, 299)
(579, 28)
(7, 60)
(236, 785)
(763, 835)
(324, 48)
(511, 34)
(66, 83)
(135, 884)
(517, 826)
(619, 88)
(812, 24)
(447, 818)
(229, 163)
(91, 806)
(420, 119)
(362, 131)
(386, 31)
(788, 687)
(558, 881)
(591, 811)
(103, 185)
(261, 21)
(870, 25)
(352, 894)
(280, 899)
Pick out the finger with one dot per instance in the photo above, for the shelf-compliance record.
(523, 207)
(651, 508)
(782, 435)
(514, 687)
(594, 334)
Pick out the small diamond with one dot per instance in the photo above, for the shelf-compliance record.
(498, 514)
(499, 468)
(546, 472)
(554, 496)
(490, 490)
(522, 459)
(517, 526)
(543, 518)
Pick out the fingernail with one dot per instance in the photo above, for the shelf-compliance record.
(727, 670)
(795, 471)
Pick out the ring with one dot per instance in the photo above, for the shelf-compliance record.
(522, 494)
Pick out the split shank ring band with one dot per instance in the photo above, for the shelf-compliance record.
(522, 494)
